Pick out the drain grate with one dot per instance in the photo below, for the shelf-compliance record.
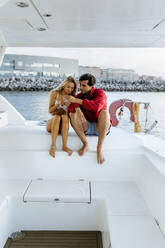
(57, 239)
(17, 236)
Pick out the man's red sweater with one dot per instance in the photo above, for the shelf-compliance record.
(91, 107)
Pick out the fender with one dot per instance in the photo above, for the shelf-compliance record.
(118, 104)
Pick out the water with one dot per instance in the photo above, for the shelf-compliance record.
(34, 106)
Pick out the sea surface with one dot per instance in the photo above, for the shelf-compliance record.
(34, 106)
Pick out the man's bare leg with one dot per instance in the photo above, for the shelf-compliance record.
(53, 126)
(80, 125)
(64, 132)
(102, 128)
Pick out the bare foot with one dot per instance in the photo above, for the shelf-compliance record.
(52, 151)
(66, 149)
(83, 149)
(100, 156)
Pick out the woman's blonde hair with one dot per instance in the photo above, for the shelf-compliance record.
(69, 79)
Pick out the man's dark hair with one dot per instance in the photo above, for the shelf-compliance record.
(91, 79)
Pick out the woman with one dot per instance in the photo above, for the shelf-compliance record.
(58, 108)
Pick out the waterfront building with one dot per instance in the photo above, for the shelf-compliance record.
(96, 71)
(119, 74)
(27, 65)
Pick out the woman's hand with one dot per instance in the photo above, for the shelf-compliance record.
(67, 103)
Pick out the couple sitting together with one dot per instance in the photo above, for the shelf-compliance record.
(87, 112)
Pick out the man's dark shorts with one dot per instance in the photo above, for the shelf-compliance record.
(92, 129)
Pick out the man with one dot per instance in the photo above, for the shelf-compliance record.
(89, 115)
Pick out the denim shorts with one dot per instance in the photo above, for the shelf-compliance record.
(92, 130)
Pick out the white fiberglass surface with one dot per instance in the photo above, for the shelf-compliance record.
(56, 216)
(5, 222)
(27, 165)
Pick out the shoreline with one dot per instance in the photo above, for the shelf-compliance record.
(43, 90)
(44, 84)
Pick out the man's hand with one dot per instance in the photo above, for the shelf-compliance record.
(69, 98)
(73, 99)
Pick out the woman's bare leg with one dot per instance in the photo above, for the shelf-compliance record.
(53, 127)
(48, 126)
(64, 133)
(80, 125)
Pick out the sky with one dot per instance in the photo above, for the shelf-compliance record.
(149, 61)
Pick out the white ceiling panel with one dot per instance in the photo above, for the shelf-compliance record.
(110, 23)
(2, 39)
(11, 11)
(20, 25)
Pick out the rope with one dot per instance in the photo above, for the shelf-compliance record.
(146, 106)
(122, 109)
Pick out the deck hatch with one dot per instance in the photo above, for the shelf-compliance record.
(41, 190)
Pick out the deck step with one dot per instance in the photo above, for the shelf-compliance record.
(57, 239)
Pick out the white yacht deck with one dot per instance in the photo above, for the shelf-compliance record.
(125, 200)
